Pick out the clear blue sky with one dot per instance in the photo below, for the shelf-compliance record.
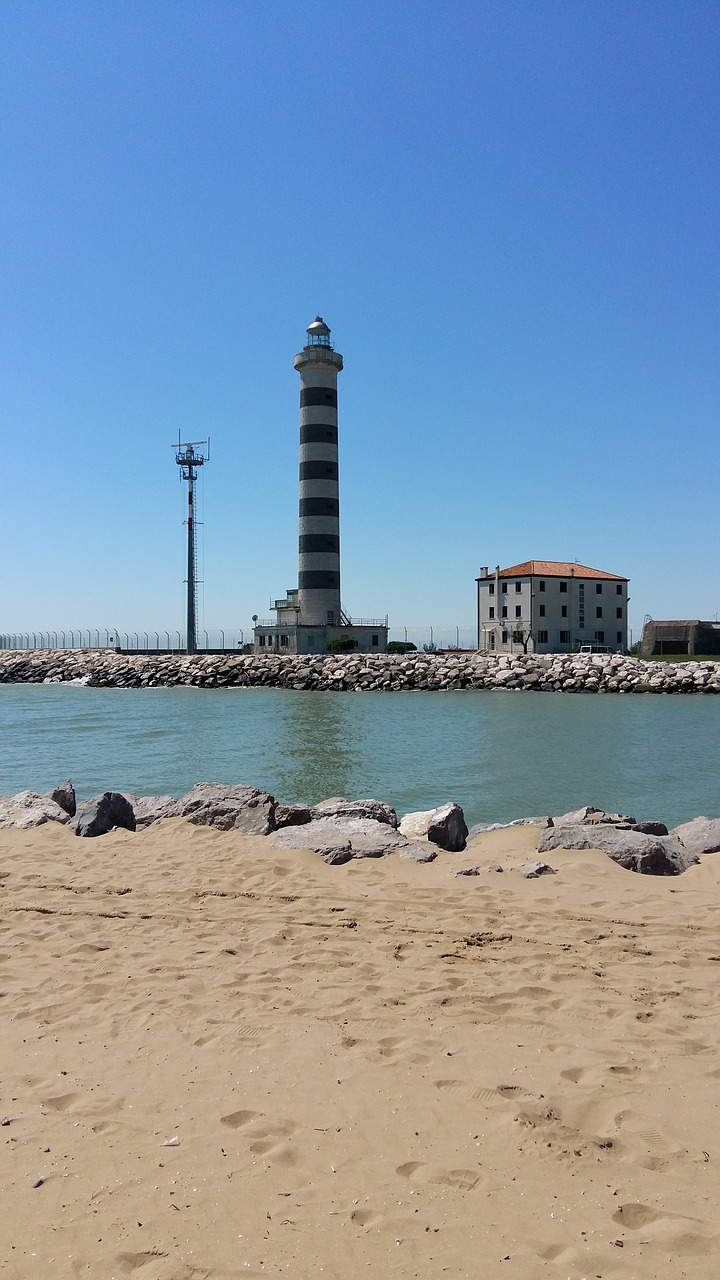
(506, 211)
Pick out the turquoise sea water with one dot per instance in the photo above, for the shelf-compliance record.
(501, 755)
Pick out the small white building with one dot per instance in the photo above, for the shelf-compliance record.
(551, 606)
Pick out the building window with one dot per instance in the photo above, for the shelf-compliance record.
(618, 612)
(504, 611)
(504, 637)
(563, 587)
(563, 610)
(564, 637)
(330, 618)
(491, 589)
(491, 611)
(619, 637)
(598, 588)
(518, 587)
(598, 611)
(542, 610)
(262, 641)
(518, 611)
(600, 637)
(284, 642)
(375, 641)
(618, 589)
(542, 637)
(504, 588)
(541, 585)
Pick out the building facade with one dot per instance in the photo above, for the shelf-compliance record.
(551, 606)
(311, 618)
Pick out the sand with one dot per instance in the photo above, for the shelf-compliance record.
(223, 1060)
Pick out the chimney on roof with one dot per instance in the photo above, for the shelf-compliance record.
(484, 571)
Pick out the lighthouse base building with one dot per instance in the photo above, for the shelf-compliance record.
(311, 619)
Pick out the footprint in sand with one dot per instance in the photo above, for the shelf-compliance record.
(62, 1102)
(364, 1217)
(237, 1119)
(421, 1174)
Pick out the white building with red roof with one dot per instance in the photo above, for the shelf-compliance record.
(551, 606)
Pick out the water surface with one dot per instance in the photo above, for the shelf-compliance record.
(499, 754)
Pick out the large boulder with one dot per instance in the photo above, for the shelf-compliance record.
(64, 795)
(701, 835)
(292, 815)
(327, 838)
(229, 808)
(338, 807)
(481, 828)
(649, 855)
(589, 814)
(151, 809)
(445, 827)
(30, 809)
(103, 813)
(358, 837)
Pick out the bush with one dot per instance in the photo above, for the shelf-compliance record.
(401, 646)
(343, 644)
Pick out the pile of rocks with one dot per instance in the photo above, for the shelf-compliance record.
(384, 672)
(340, 829)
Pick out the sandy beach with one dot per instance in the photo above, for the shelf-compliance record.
(220, 1059)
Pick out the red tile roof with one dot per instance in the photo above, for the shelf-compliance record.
(554, 569)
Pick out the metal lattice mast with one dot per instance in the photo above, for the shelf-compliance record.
(189, 460)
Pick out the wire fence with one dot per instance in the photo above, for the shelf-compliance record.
(212, 640)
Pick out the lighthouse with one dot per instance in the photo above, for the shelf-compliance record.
(319, 531)
(310, 618)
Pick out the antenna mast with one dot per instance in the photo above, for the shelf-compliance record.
(188, 459)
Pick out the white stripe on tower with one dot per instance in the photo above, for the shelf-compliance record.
(319, 531)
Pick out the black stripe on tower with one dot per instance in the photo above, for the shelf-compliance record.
(318, 433)
(319, 507)
(319, 580)
(317, 395)
(318, 470)
(320, 542)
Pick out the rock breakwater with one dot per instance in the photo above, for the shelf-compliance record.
(386, 672)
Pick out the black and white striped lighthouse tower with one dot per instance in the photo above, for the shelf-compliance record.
(319, 535)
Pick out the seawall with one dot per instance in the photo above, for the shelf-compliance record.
(601, 673)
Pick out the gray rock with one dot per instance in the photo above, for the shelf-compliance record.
(64, 795)
(651, 828)
(103, 813)
(29, 809)
(362, 836)
(588, 814)
(533, 870)
(151, 809)
(292, 815)
(480, 828)
(229, 808)
(448, 828)
(418, 851)
(649, 855)
(444, 826)
(338, 807)
(701, 835)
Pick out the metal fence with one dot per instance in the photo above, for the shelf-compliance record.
(211, 640)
